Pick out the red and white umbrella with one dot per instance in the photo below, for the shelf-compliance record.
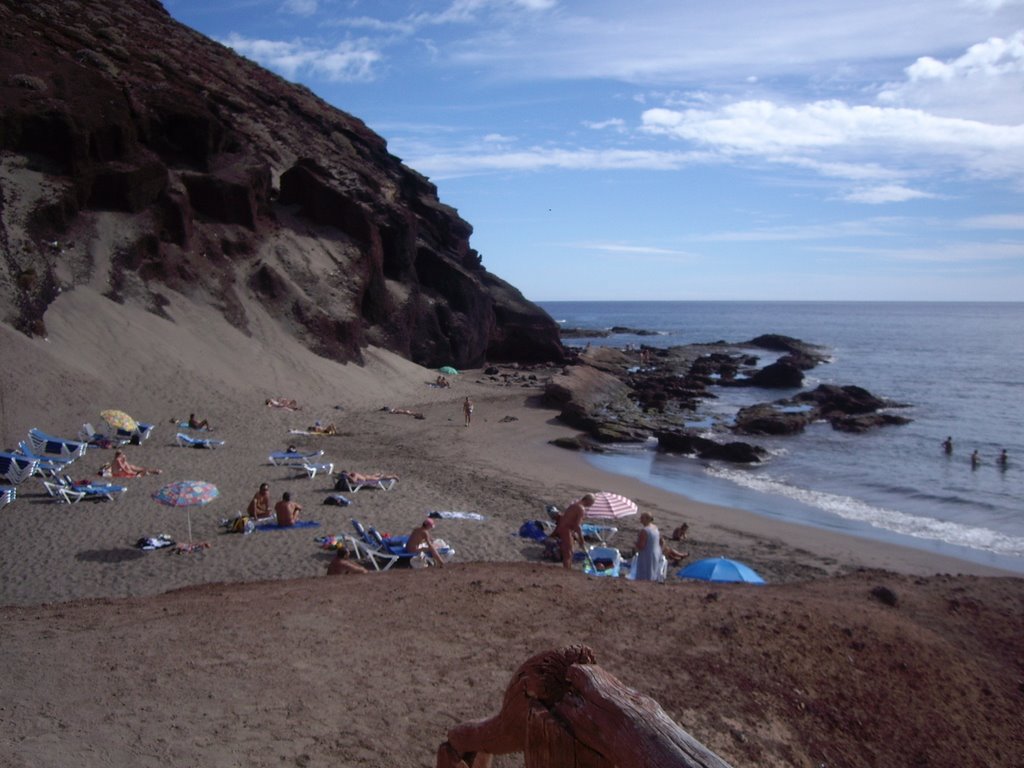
(610, 506)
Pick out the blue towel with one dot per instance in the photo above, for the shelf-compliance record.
(276, 527)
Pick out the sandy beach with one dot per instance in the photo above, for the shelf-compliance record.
(245, 653)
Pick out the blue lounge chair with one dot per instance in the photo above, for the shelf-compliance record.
(48, 465)
(195, 442)
(142, 431)
(292, 458)
(385, 552)
(16, 467)
(67, 490)
(48, 445)
(8, 494)
(350, 484)
(603, 561)
(94, 439)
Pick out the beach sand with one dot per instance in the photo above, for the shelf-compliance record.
(245, 653)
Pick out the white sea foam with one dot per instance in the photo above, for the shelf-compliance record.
(879, 517)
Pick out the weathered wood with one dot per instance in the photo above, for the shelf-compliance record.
(563, 711)
(550, 744)
(626, 726)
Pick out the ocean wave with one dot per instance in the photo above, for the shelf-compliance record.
(892, 520)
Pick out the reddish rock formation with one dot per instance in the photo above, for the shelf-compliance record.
(226, 183)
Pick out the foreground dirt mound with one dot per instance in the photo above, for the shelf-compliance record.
(866, 670)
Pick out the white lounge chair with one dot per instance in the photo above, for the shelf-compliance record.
(313, 469)
(292, 458)
(16, 467)
(48, 445)
(66, 490)
(381, 482)
(8, 493)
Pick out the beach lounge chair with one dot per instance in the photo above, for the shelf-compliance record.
(142, 432)
(602, 534)
(195, 442)
(48, 465)
(312, 469)
(603, 561)
(8, 493)
(48, 445)
(88, 434)
(67, 490)
(292, 458)
(16, 467)
(350, 484)
(383, 552)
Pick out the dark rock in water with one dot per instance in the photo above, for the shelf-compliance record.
(674, 441)
(583, 333)
(849, 399)
(782, 374)
(866, 421)
(767, 419)
(116, 107)
(795, 347)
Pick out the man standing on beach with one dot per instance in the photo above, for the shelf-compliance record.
(570, 526)
(467, 410)
(287, 511)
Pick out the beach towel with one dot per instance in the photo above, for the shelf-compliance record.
(457, 515)
(275, 527)
(155, 542)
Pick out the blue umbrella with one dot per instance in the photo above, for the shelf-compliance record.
(720, 569)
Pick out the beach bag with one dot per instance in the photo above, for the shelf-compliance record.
(241, 524)
(337, 500)
(532, 529)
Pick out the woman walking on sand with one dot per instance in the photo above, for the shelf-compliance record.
(467, 410)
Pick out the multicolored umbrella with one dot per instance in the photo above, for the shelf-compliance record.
(120, 420)
(187, 494)
(720, 569)
(610, 506)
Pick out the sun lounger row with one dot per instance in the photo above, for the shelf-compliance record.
(15, 468)
(68, 491)
(7, 494)
(48, 445)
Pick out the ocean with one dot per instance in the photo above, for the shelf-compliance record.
(959, 367)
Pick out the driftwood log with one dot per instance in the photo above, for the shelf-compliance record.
(561, 710)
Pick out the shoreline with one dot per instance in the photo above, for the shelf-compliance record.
(503, 466)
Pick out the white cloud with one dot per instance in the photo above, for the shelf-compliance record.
(632, 250)
(615, 124)
(450, 164)
(995, 221)
(887, 193)
(347, 61)
(986, 83)
(838, 135)
(300, 7)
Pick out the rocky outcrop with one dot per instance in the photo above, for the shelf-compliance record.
(847, 408)
(226, 183)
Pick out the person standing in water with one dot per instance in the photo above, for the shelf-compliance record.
(947, 445)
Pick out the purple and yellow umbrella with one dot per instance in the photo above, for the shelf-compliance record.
(120, 420)
(187, 494)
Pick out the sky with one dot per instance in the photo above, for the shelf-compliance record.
(683, 150)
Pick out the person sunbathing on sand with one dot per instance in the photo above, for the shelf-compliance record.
(120, 467)
(283, 402)
(406, 411)
(194, 423)
(323, 429)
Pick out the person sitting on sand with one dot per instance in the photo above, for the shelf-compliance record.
(119, 467)
(194, 423)
(319, 428)
(680, 532)
(420, 538)
(674, 556)
(442, 382)
(342, 564)
(287, 511)
(570, 526)
(259, 507)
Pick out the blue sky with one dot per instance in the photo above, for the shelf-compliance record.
(680, 150)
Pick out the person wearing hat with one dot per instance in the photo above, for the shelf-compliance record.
(420, 538)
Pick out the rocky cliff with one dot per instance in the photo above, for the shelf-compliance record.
(139, 157)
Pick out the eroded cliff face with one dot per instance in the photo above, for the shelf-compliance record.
(138, 156)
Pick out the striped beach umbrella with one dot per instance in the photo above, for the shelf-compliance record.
(610, 506)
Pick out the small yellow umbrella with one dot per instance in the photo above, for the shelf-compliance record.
(120, 420)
